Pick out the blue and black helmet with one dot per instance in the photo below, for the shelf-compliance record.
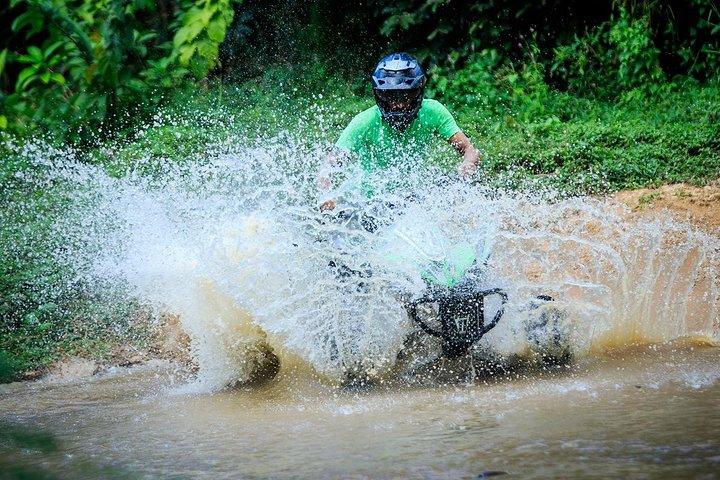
(398, 85)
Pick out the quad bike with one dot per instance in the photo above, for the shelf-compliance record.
(452, 308)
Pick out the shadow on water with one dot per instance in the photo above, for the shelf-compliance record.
(31, 453)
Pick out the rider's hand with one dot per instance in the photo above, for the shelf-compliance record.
(323, 182)
(327, 205)
(467, 169)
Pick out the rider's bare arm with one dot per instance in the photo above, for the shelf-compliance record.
(323, 180)
(334, 160)
(470, 154)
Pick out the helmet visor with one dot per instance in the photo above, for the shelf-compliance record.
(398, 100)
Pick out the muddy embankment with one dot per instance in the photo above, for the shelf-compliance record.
(698, 206)
(695, 206)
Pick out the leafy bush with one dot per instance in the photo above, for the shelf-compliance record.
(100, 63)
(585, 65)
(616, 56)
(636, 144)
(638, 59)
(474, 83)
(197, 43)
(70, 66)
(10, 368)
(604, 49)
(487, 84)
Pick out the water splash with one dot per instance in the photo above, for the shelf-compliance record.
(234, 244)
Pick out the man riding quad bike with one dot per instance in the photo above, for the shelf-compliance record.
(402, 120)
(460, 301)
(451, 308)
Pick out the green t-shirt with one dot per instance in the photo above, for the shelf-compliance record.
(378, 145)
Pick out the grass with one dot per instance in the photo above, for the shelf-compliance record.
(584, 145)
(647, 199)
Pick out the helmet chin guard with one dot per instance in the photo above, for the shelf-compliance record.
(398, 86)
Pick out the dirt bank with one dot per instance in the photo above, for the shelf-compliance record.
(167, 342)
(699, 206)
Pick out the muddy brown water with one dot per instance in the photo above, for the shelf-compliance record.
(648, 412)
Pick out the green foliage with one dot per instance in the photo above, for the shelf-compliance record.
(584, 65)
(10, 368)
(638, 63)
(440, 26)
(611, 147)
(487, 84)
(616, 56)
(474, 83)
(71, 66)
(89, 63)
(203, 26)
(606, 49)
(44, 312)
(92, 63)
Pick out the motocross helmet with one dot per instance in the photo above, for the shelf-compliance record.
(398, 85)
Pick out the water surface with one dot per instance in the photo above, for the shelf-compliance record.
(646, 412)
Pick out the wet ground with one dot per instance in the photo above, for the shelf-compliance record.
(647, 412)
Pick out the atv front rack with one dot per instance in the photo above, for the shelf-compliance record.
(460, 314)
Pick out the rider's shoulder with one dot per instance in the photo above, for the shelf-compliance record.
(433, 105)
(367, 115)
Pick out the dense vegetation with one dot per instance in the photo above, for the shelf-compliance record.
(71, 63)
(604, 96)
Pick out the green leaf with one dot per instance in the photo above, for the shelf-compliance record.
(22, 20)
(136, 84)
(206, 14)
(197, 16)
(45, 77)
(3, 122)
(143, 37)
(51, 49)
(186, 34)
(208, 50)
(3, 57)
(25, 77)
(35, 53)
(216, 30)
(186, 53)
(199, 66)
(227, 14)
